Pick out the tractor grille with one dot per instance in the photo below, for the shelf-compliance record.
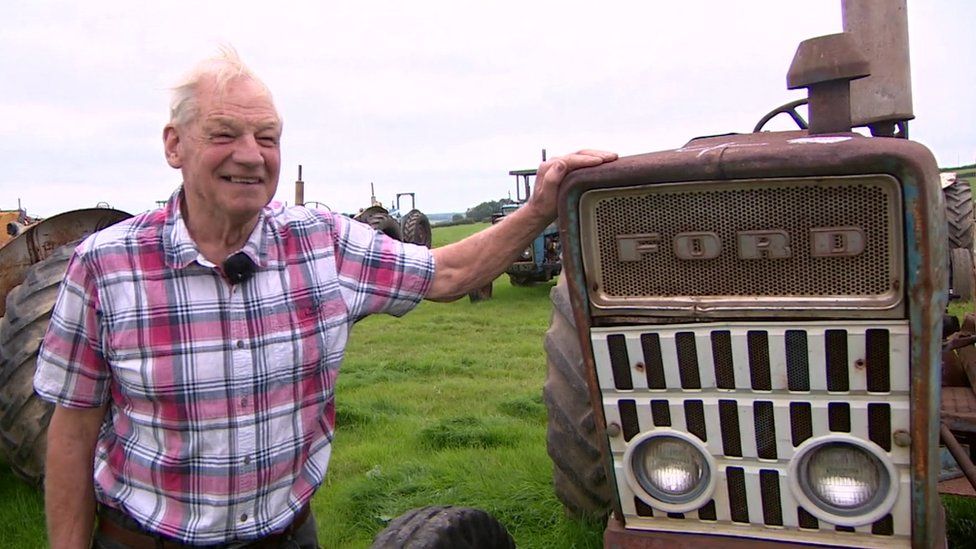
(752, 393)
(745, 245)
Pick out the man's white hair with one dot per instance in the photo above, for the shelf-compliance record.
(223, 68)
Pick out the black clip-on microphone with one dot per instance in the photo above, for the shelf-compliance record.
(239, 268)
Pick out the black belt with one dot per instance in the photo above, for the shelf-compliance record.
(111, 527)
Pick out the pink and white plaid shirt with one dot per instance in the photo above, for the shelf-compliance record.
(222, 396)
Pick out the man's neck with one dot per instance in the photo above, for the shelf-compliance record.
(216, 237)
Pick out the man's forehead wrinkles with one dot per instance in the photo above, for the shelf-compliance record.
(269, 122)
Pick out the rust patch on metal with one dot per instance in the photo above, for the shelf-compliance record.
(38, 241)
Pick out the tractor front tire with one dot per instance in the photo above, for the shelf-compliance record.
(963, 273)
(415, 228)
(384, 223)
(24, 417)
(579, 474)
(481, 294)
(959, 214)
(444, 527)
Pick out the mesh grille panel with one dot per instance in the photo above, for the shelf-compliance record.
(765, 430)
(628, 417)
(837, 379)
(759, 361)
(883, 527)
(728, 414)
(879, 425)
(665, 212)
(801, 423)
(660, 413)
(651, 345)
(769, 485)
(877, 361)
(839, 417)
(797, 361)
(807, 520)
(695, 417)
(687, 360)
(620, 362)
(738, 504)
(707, 512)
(722, 355)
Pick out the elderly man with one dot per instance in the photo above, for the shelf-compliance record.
(193, 350)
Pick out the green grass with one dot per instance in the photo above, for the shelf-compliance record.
(442, 406)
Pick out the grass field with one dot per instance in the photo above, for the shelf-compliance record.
(442, 406)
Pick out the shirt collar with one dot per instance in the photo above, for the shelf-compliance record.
(181, 251)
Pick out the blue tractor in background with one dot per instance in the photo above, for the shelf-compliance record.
(540, 261)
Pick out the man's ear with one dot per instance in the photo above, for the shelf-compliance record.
(172, 146)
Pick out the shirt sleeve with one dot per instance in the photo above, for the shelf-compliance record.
(71, 368)
(378, 274)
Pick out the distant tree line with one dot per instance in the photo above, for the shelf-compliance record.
(483, 211)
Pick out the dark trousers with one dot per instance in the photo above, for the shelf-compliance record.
(302, 537)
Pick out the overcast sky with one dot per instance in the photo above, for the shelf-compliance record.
(437, 98)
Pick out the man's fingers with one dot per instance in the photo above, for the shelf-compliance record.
(581, 159)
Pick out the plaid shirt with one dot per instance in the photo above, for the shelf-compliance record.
(222, 396)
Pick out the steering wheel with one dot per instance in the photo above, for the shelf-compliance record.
(317, 205)
(790, 109)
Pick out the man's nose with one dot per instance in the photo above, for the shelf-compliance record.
(248, 151)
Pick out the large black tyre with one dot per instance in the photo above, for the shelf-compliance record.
(963, 280)
(579, 476)
(415, 228)
(959, 214)
(23, 416)
(481, 294)
(380, 220)
(444, 527)
(520, 280)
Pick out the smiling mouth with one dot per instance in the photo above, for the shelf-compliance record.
(242, 180)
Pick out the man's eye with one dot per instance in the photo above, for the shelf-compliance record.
(221, 137)
(269, 141)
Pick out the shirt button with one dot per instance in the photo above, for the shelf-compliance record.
(243, 517)
(240, 344)
(244, 402)
(247, 460)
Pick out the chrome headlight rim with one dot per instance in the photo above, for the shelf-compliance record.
(879, 506)
(699, 497)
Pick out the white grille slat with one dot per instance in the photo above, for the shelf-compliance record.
(859, 420)
(713, 423)
(706, 364)
(817, 351)
(777, 359)
(740, 360)
(669, 357)
(857, 350)
(747, 430)
(635, 354)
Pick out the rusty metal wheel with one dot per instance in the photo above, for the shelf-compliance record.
(579, 475)
(444, 527)
(23, 415)
(415, 228)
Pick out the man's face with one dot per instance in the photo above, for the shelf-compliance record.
(229, 154)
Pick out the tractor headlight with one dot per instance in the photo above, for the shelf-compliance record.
(670, 470)
(843, 480)
(526, 254)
